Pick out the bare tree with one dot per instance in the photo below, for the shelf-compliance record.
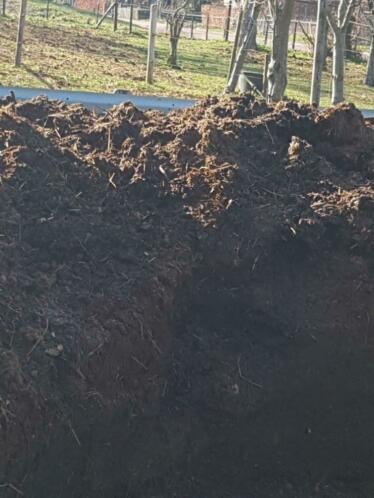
(319, 57)
(369, 78)
(339, 23)
(281, 12)
(245, 33)
(252, 44)
(175, 15)
(20, 32)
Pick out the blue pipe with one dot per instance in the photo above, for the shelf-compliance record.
(102, 101)
(99, 101)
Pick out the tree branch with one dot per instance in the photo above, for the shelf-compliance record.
(348, 13)
(182, 7)
(272, 8)
(342, 9)
(308, 37)
(332, 22)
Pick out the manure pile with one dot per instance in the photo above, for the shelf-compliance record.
(186, 301)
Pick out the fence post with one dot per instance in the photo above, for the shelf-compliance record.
(319, 53)
(97, 12)
(47, 12)
(115, 17)
(358, 33)
(105, 15)
(131, 16)
(207, 27)
(21, 30)
(227, 23)
(192, 23)
(265, 76)
(266, 32)
(236, 43)
(294, 35)
(151, 43)
(4, 7)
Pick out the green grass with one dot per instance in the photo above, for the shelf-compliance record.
(67, 52)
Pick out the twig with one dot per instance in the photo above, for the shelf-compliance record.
(38, 341)
(95, 350)
(271, 192)
(111, 180)
(255, 262)
(271, 136)
(56, 129)
(155, 345)
(163, 172)
(241, 376)
(139, 362)
(75, 435)
(308, 37)
(153, 342)
(109, 146)
(13, 487)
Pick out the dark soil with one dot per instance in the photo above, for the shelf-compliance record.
(186, 302)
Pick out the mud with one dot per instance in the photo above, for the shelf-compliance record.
(186, 301)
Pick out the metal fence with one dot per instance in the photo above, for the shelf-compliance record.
(302, 32)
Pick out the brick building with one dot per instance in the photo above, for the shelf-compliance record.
(101, 5)
(90, 5)
(304, 10)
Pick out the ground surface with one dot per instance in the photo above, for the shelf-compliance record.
(67, 52)
(186, 302)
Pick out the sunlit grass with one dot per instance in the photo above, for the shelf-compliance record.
(67, 52)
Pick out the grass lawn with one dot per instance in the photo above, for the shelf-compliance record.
(67, 52)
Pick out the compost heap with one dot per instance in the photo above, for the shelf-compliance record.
(186, 301)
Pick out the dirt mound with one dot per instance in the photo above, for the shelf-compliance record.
(186, 301)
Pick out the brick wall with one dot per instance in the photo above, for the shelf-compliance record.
(91, 5)
(217, 14)
(303, 10)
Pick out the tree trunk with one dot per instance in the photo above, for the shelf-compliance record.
(328, 47)
(252, 43)
(248, 12)
(338, 66)
(239, 61)
(277, 72)
(173, 52)
(151, 43)
(349, 38)
(339, 25)
(319, 57)
(235, 44)
(176, 24)
(20, 33)
(369, 79)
